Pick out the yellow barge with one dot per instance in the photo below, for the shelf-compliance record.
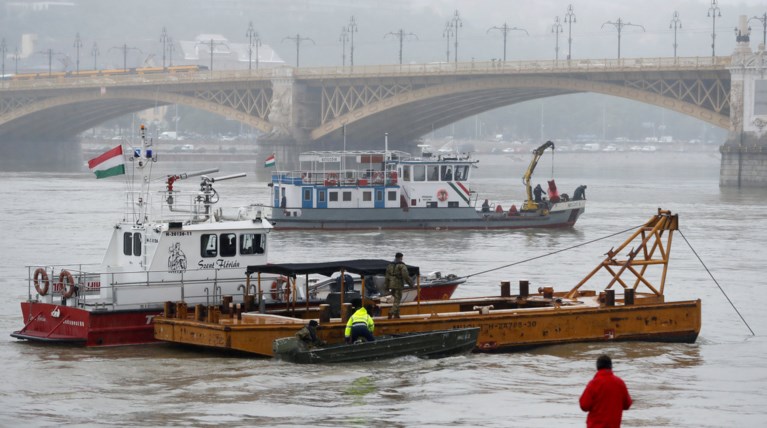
(507, 322)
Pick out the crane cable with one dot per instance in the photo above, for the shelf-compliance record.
(717, 283)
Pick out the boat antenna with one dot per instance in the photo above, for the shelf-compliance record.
(343, 156)
(717, 284)
(386, 147)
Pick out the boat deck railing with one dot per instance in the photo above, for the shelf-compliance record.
(346, 177)
(167, 206)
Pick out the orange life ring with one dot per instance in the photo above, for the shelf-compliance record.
(67, 292)
(41, 276)
(278, 294)
(442, 195)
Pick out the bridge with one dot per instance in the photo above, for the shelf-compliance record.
(297, 107)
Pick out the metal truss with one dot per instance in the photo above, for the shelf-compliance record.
(339, 100)
(252, 101)
(8, 105)
(710, 94)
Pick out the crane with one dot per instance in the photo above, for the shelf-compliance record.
(530, 204)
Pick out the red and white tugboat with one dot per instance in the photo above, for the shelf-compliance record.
(169, 246)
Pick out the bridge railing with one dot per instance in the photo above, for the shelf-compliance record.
(436, 68)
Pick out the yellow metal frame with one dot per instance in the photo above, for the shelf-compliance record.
(654, 249)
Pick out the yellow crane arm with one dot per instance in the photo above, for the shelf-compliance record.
(537, 153)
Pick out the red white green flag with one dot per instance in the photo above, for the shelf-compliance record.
(109, 163)
(270, 161)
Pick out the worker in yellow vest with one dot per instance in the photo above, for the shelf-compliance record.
(360, 324)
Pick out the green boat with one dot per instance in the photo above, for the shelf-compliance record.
(431, 344)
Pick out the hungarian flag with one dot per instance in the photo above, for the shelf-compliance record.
(108, 164)
(270, 161)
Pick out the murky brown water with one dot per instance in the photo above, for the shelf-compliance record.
(718, 381)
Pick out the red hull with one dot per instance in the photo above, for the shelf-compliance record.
(438, 292)
(46, 322)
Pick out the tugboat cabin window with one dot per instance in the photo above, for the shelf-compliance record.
(308, 194)
(251, 243)
(228, 245)
(432, 171)
(419, 172)
(132, 244)
(431, 205)
(406, 173)
(209, 245)
(321, 196)
(461, 172)
(452, 204)
(391, 195)
(367, 196)
(447, 173)
(333, 196)
(347, 196)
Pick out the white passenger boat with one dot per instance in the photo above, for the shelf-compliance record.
(170, 245)
(362, 190)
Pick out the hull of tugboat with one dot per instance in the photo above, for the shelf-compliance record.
(561, 215)
(51, 323)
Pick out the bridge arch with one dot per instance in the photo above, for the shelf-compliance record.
(438, 105)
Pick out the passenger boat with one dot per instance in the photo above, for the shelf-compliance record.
(359, 190)
(430, 344)
(507, 322)
(169, 245)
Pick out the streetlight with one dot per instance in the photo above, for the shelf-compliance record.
(352, 28)
(171, 49)
(619, 26)
(447, 33)
(125, 50)
(456, 23)
(298, 39)
(95, 52)
(505, 29)
(556, 29)
(253, 40)
(16, 58)
(3, 50)
(675, 23)
(569, 19)
(343, 39)
(401, 34)
(763, 20)
(78, 44)
(713, 11)
(164, 40)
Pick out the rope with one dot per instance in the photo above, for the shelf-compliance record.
(717, 283)
(552, 253)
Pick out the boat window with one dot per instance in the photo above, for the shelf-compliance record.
(406, 173)
(461, 173)
(208, 245)
(347, 196)
(136, 244)
(321, 196)
(250, 243)
(431, 205)
(391, 195)
(432, 171)
(367, 196)
(452, 204)
(419, 172)
(228, 245)
(333, 196)
(307, 194)
(127, 243)
(447, 173)
(379, 195)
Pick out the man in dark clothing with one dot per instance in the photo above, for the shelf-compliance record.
(605, 397)
(537, 193)
(580, 193)
(307, 336)
(396, 277)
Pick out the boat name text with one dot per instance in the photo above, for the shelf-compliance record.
(178, 233)
(218, 264)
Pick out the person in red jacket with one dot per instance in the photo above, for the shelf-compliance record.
(605, 397)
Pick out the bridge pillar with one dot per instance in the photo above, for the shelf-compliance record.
(744, 154)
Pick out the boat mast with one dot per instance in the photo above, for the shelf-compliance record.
(144, 157)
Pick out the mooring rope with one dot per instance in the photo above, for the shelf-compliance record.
(717, 283)
(551, 253)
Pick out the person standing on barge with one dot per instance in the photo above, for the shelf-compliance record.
(396, 277)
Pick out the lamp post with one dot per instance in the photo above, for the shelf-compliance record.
(3, 50)
(401, 34)
(619, 26)
(16, 60)
(171, 49)
(456, 23)
(505, 29)
(675, 23)
(164, 40)
(351, 28)
(78, 44)
(253, 40)
(298, 39)
(569, 19)
(713, 11)
(556, 29)
(95, 52)
(447, 33)
(763, 20)
(343, 39)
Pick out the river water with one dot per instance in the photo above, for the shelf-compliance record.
(718, 381)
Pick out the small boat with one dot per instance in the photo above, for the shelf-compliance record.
(432, 286)
(429, 344)
(170, 245)
(373, 190)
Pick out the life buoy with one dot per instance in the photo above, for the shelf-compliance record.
(277, 293)
(442, 195)
(40, 276)
(66, 291)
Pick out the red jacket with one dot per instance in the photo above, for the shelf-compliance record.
(605, 398)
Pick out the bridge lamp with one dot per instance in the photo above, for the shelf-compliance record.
(763, 20)
(675, 24)
(713, 12)
(569, 19)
